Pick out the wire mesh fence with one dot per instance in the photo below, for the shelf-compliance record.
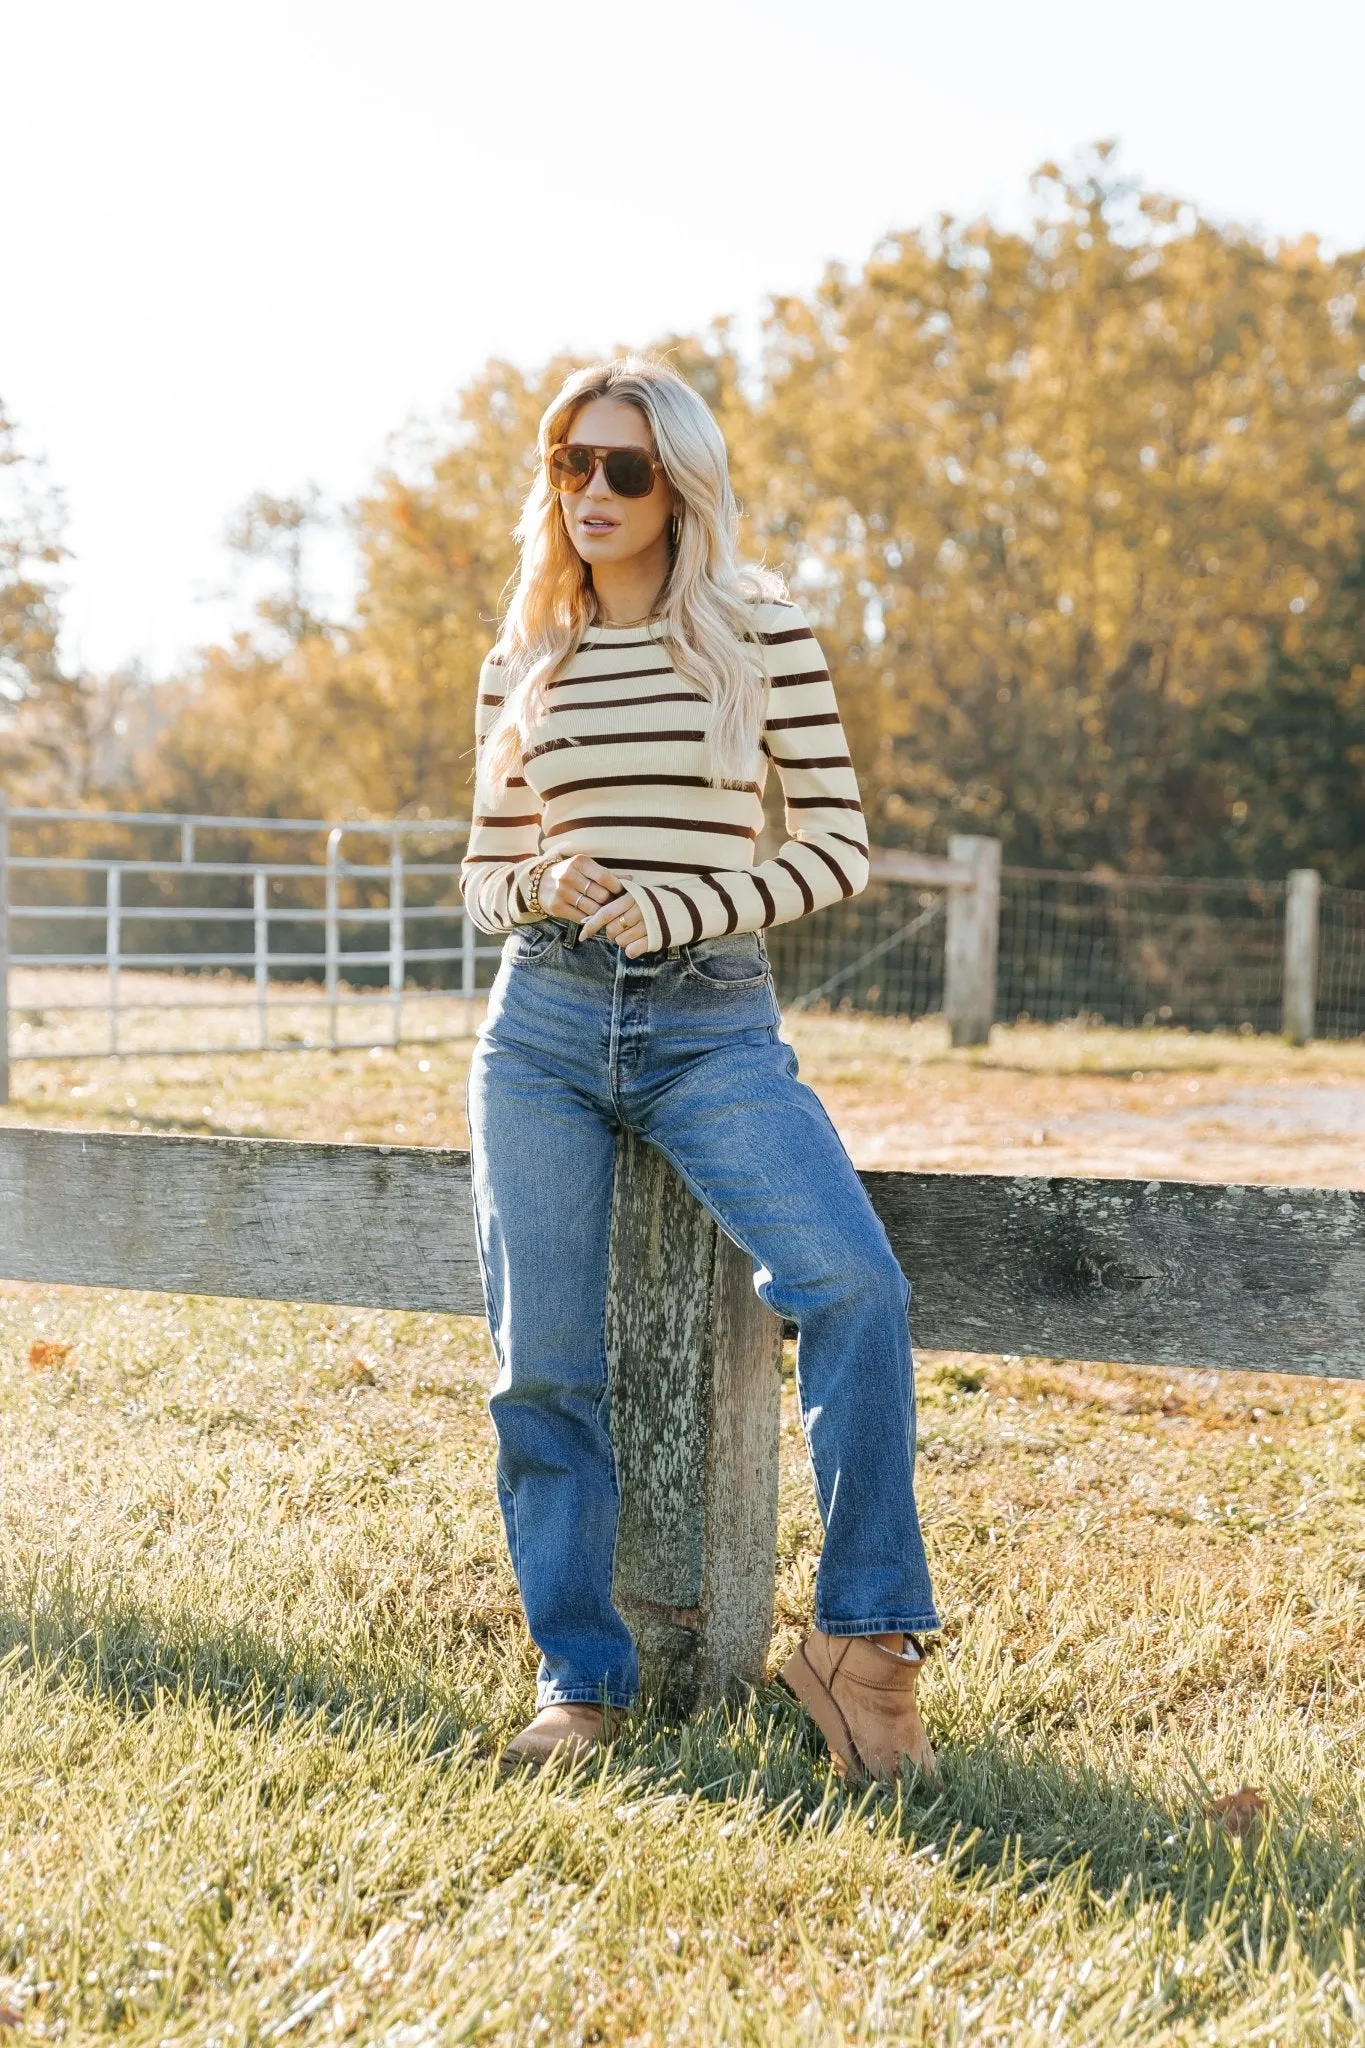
(1138, 950)
(1131, 951)
(1341, 964)
(881, 952)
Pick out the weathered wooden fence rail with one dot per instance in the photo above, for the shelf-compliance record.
(1134, 1272)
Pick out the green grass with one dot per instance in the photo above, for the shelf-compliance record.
(259, 1646)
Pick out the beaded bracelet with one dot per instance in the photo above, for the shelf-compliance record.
(533, 886)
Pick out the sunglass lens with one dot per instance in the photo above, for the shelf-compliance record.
(570, 468)
(629, 472)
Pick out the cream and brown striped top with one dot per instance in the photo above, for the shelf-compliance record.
(618, 769)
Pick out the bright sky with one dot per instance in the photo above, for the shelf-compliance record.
(243, 244)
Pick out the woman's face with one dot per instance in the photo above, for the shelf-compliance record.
(603, 527)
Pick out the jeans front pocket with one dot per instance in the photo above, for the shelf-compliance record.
(532, 942)
(737, 962)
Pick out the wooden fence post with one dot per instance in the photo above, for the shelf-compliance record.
(693, 1356)
(972, 941)
(1302, 902)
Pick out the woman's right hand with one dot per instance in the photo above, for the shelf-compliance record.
(574, 889)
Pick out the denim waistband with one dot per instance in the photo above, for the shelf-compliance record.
(569, 934)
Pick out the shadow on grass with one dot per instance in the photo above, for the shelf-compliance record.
(118, 1649)
(1004, 1808)
(996, 1808)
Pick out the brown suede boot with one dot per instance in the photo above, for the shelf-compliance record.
(861, 1696)
(573, 1732)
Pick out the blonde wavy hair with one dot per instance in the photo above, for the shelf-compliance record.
(706, 605)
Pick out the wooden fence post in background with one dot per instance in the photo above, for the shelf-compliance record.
(972, 941)
(693, 1356)
(1302, 902)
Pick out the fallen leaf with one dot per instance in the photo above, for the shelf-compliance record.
(1239, 1814)
(44, 1352)
(358, 1371)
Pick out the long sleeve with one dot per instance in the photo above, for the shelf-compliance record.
(825, 855)
(504, 835)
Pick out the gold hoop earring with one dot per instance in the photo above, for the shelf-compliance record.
(677, 529)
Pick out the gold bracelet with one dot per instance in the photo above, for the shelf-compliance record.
(533, 887)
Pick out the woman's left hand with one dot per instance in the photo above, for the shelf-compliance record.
(622, 921)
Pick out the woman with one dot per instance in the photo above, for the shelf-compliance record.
(640, 686)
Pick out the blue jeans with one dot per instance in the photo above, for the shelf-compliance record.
(683, 1049)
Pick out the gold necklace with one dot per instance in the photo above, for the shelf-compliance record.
(620, 625)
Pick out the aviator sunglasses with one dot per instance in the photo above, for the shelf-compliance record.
(630, 472)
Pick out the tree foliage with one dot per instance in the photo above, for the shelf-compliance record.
(61, 729)
(1061, 495)
(33, 687)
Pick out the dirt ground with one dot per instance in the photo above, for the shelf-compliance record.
(1171, 1105)
(1037, 1100)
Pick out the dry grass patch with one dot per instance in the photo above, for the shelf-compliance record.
(259, 1645)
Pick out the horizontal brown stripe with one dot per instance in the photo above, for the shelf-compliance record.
(611, 739)
(784, 638)
(517, 782)
(480, 819)
(647, 825)
(615, 675)
(765, 897)
(615, 646)
(844, 840)
(635, 782)
(819, 761)
(823, 803)
(481, 860)
(809, 718)
(635, 703)
(627, 863)
(486, 699)
(817, 675)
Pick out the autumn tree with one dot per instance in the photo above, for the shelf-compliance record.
(30, 549)
(1054, 495)
(35, 691)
